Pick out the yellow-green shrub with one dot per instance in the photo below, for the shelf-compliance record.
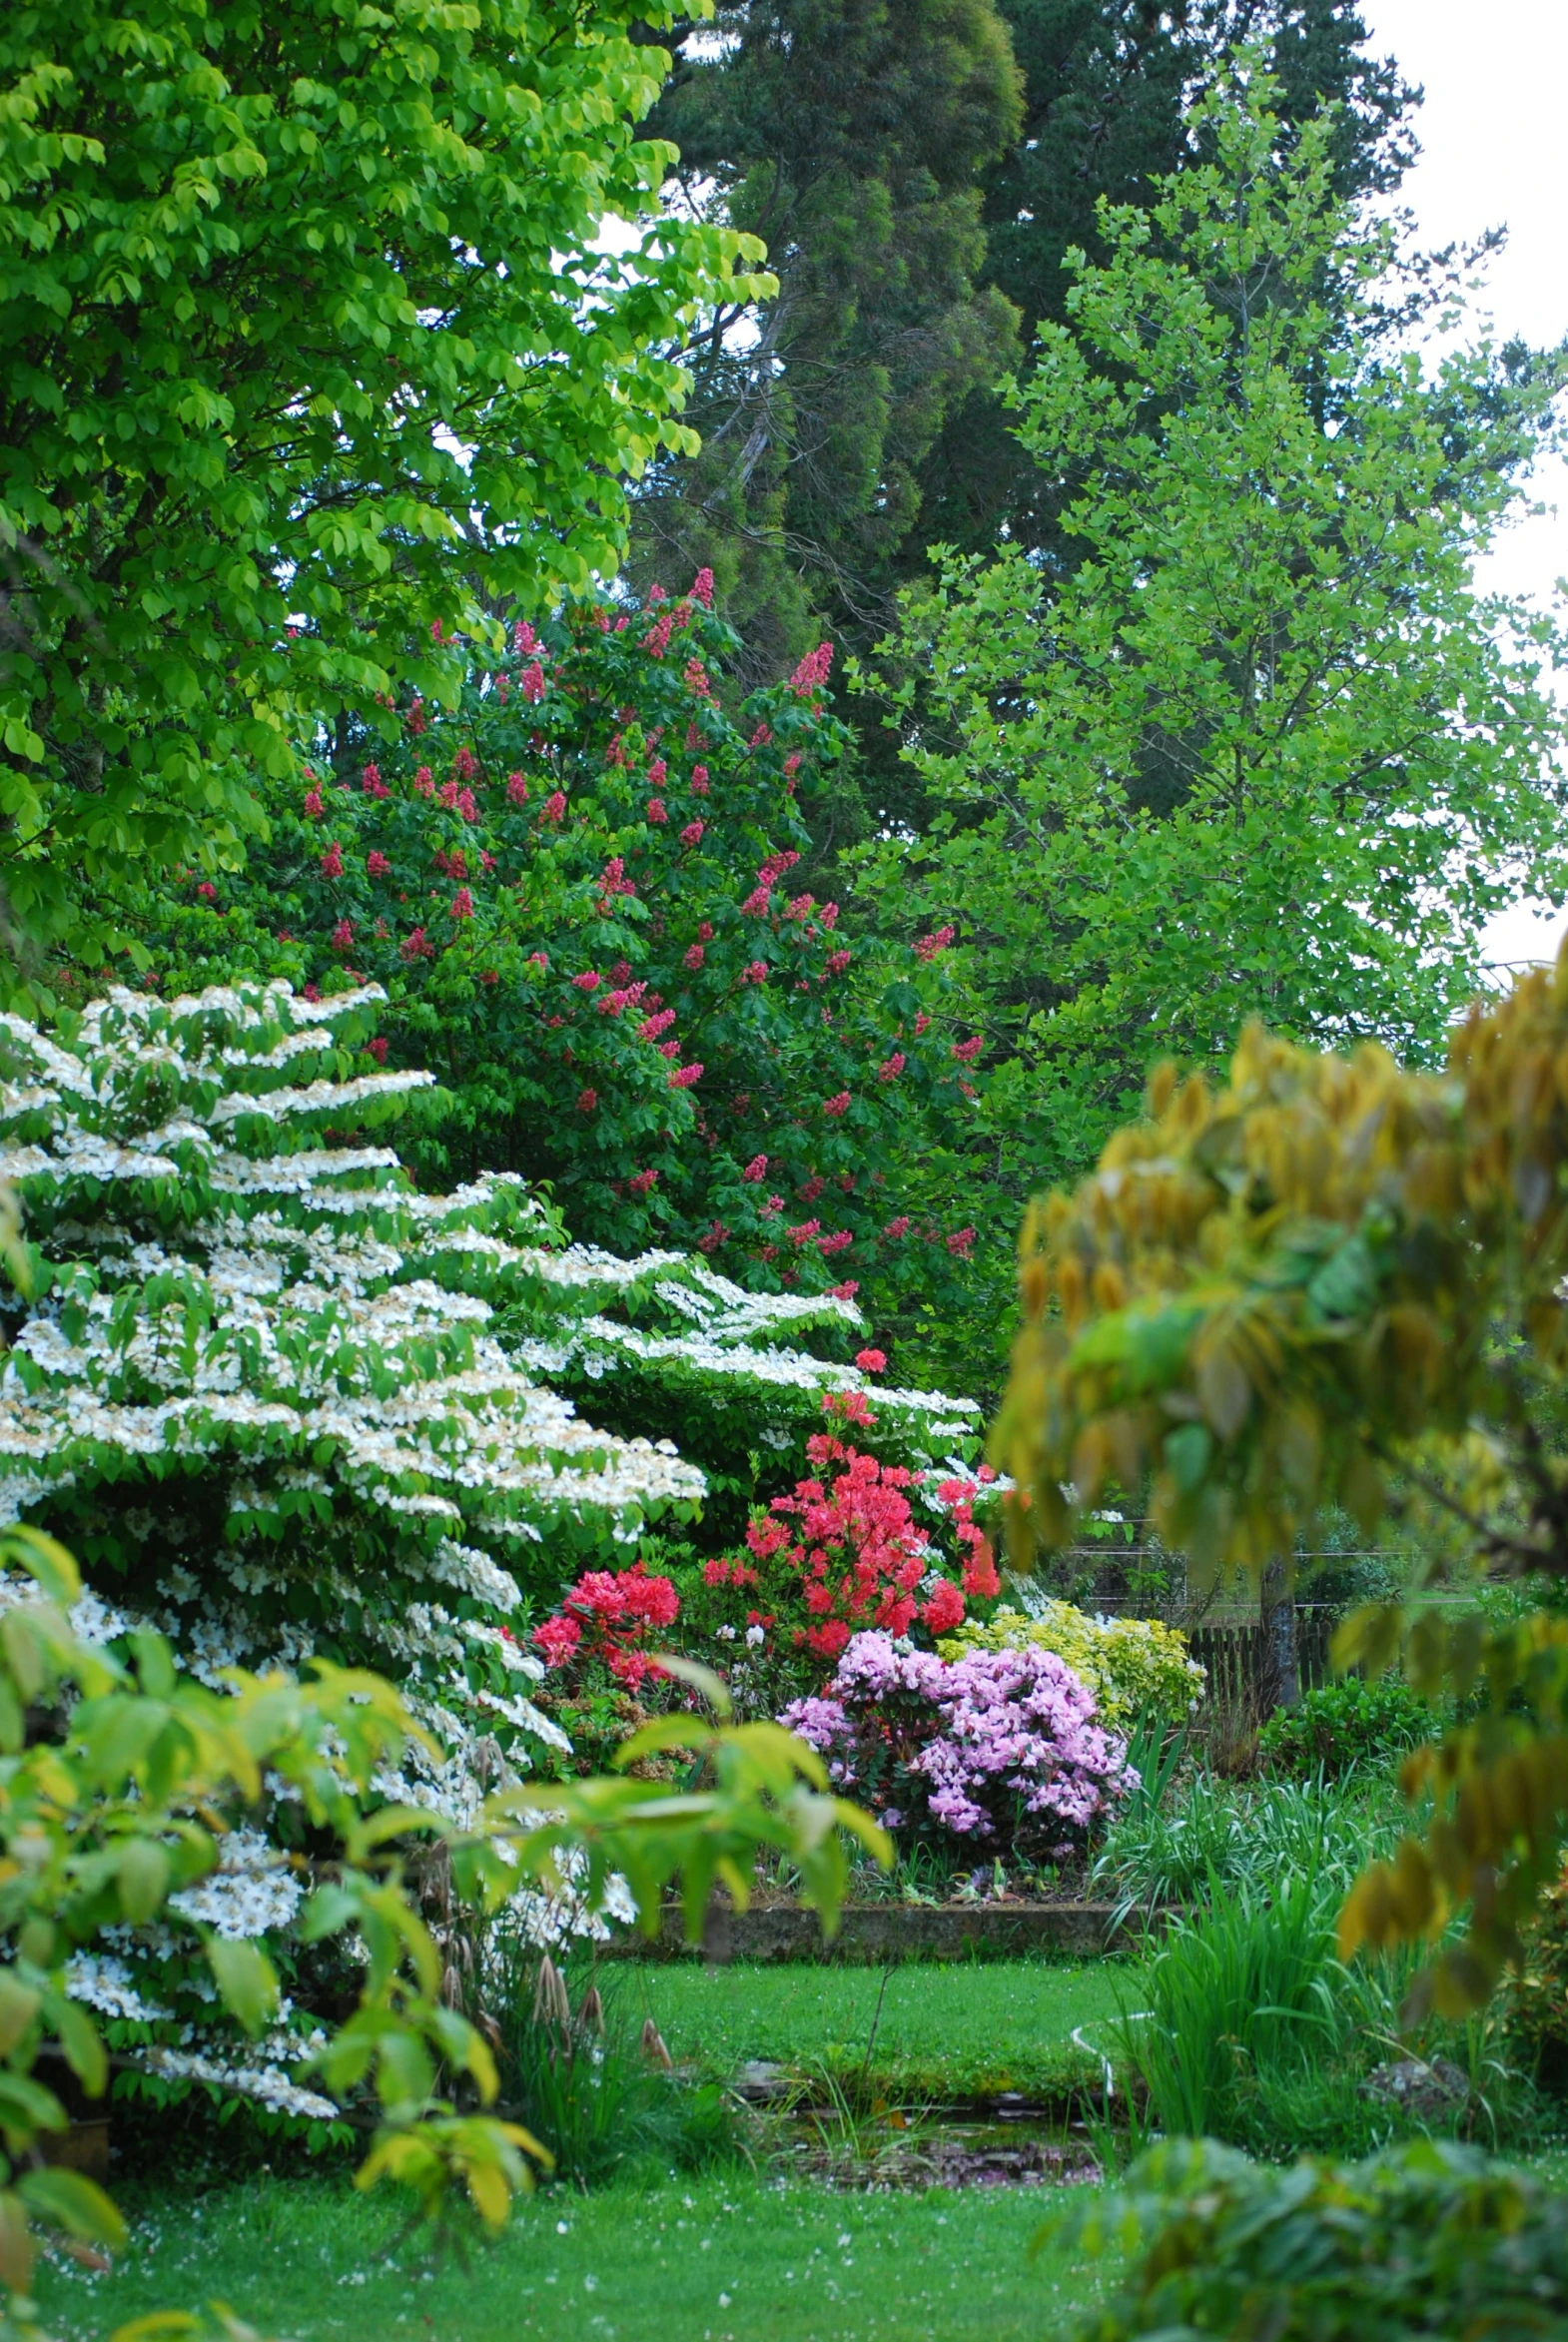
(1129, 1664)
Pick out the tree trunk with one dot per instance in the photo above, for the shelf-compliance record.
(1279, 1675)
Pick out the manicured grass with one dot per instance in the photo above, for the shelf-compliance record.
(944, 2030)
(731, 2259)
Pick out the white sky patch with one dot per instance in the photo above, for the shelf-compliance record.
(1492, 156)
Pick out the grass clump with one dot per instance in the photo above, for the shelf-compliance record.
(1243, 2024)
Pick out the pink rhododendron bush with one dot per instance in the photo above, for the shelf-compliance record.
(1002, 1750)
(282, 1404)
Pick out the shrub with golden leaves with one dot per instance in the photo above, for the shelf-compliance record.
(1334, 1282)
(1131, 1665)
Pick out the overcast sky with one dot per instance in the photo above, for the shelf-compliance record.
(1494, 154)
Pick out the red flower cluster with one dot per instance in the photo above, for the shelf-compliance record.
(857, 1549)
(613, 1610)
(927, 946)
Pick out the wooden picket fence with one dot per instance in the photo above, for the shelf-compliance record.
(1233, 1650)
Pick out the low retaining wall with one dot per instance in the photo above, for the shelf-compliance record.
(881, 1934)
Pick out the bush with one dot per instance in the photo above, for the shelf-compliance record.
(1344, 1724)
(1000, 1747)
(1537, 2001)
(1132, 1665)
(1424, 2241)
(286, 1407)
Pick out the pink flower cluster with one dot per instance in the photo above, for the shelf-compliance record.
(1003, 1746)
(813, 671)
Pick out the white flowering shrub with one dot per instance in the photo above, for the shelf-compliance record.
(283, 1405)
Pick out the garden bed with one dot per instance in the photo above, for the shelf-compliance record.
(882, 1933)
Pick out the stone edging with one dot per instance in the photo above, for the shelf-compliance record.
(882, 1933)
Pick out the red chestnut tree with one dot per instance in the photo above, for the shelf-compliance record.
(579, 890)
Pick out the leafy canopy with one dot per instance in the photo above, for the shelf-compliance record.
(299, 306)
(1338, 1281)
(1266, 749)
(849, 135)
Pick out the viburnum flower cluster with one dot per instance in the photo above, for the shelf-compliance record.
(1002, 1748)
(593, 811)
(286, 1404)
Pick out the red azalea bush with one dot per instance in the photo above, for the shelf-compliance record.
(576, 888)
(857, 1554)
(608, 1616)
(843, 1551)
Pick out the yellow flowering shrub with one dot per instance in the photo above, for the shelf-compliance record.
(1129, 1664)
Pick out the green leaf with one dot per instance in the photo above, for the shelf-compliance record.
(246, 1980)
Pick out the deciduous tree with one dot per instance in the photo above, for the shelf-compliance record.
(301, 306)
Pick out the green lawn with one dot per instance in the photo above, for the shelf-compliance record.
(732, 2259)
(655, 2258)
(943, 2032)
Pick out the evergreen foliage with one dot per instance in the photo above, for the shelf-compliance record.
(849, 135)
